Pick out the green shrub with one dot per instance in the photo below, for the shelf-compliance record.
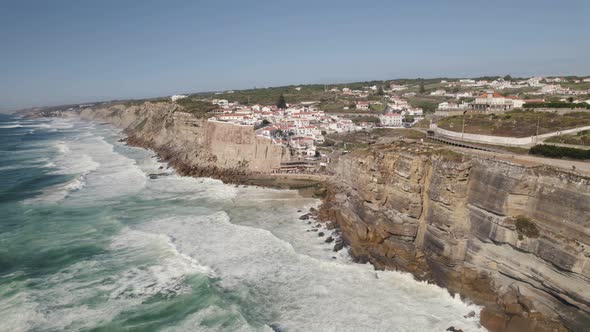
(526, 227)
(556, 104)
(553, 151)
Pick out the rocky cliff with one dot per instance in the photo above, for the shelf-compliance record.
(192, 145)
(512, 238)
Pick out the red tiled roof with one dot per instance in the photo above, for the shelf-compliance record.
(487, 95)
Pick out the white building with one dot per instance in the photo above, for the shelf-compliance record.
(391, 120)
(177, 97)
(491, 100)
(362, 105)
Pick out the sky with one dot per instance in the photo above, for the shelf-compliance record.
(57, 52)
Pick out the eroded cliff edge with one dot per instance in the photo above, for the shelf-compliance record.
(509, 237)
(192, 145)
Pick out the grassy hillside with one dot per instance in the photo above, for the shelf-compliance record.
(516, 123)
(580, 138)
(269, 96)
(196, 106)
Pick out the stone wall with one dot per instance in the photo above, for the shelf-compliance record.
(500, 140)
(235, 143)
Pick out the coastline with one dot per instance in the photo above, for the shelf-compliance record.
(308, 185)
(190, 156)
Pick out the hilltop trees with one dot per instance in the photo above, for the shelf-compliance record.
(422, 88)
(281, 103)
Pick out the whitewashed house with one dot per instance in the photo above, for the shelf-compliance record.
(177, 97)
(362, 105)
(391, 120)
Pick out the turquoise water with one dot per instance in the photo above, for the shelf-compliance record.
(90, 242)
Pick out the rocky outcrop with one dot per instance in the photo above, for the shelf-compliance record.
(509, 237)
(193, 146)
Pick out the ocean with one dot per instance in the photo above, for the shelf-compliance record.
(89, 241)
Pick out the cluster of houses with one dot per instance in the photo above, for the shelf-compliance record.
(397, 110)
(486, 101)
(490, 100)
(400, 113)
(299, 127)
(542, 84)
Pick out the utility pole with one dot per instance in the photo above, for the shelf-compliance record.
(537, 131)
(463, 125)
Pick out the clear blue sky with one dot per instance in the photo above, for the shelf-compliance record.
(58, 51)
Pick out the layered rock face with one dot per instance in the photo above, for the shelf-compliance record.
(511, 238)
(193, 146)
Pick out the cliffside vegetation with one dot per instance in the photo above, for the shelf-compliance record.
(557, 105)
(579, 138)
(196, 106)
(362, 139)
(553, 151)
(526, 227)
(269, 96)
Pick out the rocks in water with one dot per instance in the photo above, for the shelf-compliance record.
(320, 234)
(275, 327)
(471, 314)
(299, 210)
(329, 239)
(339, 245)
(161, 167)
(153, 176)
(314, 229)
(453, 329)
(304, 217)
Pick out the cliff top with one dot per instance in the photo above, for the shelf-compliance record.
(515, 123)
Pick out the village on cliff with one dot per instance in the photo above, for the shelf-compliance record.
(303, 126)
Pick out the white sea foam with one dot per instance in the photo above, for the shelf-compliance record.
(136, 267)
(10, 167)
(41, 125)
(309, 293)
(49, 165)
(248, 239)
(97, 168)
